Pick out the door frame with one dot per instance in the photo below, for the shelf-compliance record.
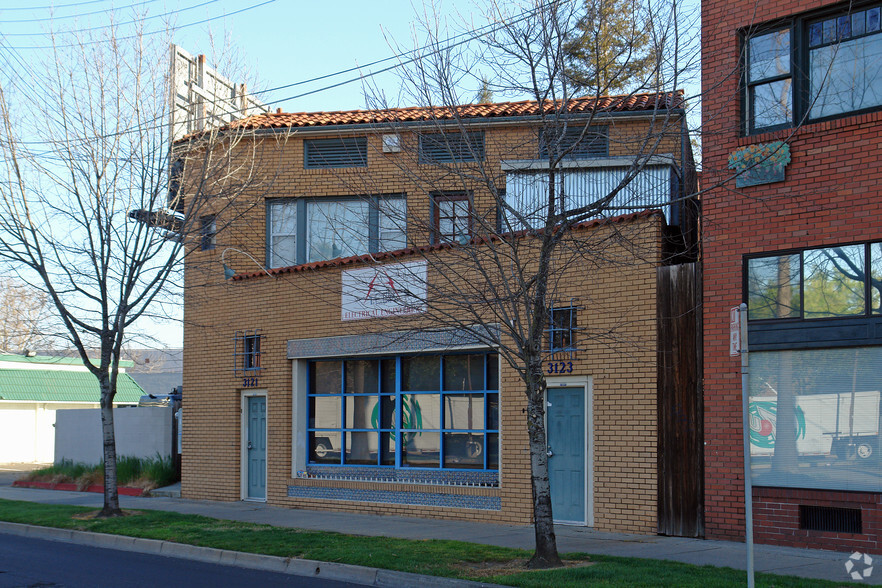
(243, 444)
(587, 384)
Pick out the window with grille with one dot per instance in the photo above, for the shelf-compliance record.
(247, 353)
(337, 152)
(562, 327)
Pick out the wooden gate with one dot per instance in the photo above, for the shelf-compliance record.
(680, 407)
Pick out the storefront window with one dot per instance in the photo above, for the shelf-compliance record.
(814, 418)
(816, 283)
(833, 283)
(397, 411)
(773, 287)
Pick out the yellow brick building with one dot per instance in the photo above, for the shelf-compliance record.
(350, 364)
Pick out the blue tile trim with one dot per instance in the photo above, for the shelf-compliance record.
(394, 343)
(486, 478)
(397, 497)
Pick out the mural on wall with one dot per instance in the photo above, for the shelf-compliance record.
(762, 163)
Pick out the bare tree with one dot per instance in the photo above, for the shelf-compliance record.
(25, 320)
(506, 257)
(89, 205)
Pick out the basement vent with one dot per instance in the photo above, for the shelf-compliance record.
(831, 519)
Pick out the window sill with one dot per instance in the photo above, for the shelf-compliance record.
(403, 486)
(843, 122)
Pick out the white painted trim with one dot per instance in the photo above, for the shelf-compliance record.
(243, 444)
(299, 436)
(586, 163)
(587, 384)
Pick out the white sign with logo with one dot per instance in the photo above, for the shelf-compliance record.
(384, 290)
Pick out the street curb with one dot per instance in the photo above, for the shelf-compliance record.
(270, 563)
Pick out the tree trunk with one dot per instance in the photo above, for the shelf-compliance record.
(111, 492)
(545, 555)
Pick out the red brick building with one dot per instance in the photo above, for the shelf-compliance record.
(792, 123)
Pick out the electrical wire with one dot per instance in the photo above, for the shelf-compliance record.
(144, 34)
(53, 6)
(140, 20)
(419, 53)
(78, 15)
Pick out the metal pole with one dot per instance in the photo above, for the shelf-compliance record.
(745, 406)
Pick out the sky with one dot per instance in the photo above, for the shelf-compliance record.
(278, 43)
(281, 41)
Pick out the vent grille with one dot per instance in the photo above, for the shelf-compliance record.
(594, 143)
(339, 152)
(452, 147)
(830, 519)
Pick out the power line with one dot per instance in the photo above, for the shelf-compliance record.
(78, 15)
(52, 6)
(144, 34)
(442, 46)
(122, 24)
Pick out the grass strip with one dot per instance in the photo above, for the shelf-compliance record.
(434, 557)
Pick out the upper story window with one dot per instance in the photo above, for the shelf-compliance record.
(451, 147)
(175, 173)
(246, 353)
(769, 84)
(562, 327)
(337, 152)
(818, 67)
(302, 230)
(842, 281)
(207, 232)
(575, 142)
(844, 68)
(451, 217)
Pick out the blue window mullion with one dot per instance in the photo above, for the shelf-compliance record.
(399, 436)
(342, 412)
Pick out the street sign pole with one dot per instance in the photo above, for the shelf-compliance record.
(739, 326)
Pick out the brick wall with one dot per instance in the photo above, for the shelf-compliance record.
(831, 195)
(614, 280)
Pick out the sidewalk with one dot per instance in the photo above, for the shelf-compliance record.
(807, 563)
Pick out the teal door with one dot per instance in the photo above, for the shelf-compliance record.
(567, 448)
(256, 447)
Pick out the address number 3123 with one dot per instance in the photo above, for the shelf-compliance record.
(560, 367)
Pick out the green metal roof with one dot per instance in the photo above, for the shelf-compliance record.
(52, 359)
(62, 386)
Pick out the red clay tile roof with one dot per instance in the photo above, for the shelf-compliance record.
(387, 255)
(605, 104)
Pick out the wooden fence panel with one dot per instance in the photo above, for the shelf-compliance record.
(680, 407)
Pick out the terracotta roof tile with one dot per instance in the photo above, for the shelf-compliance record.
(625, 103)
(388, 255)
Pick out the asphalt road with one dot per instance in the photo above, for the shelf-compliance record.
(35, 563)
